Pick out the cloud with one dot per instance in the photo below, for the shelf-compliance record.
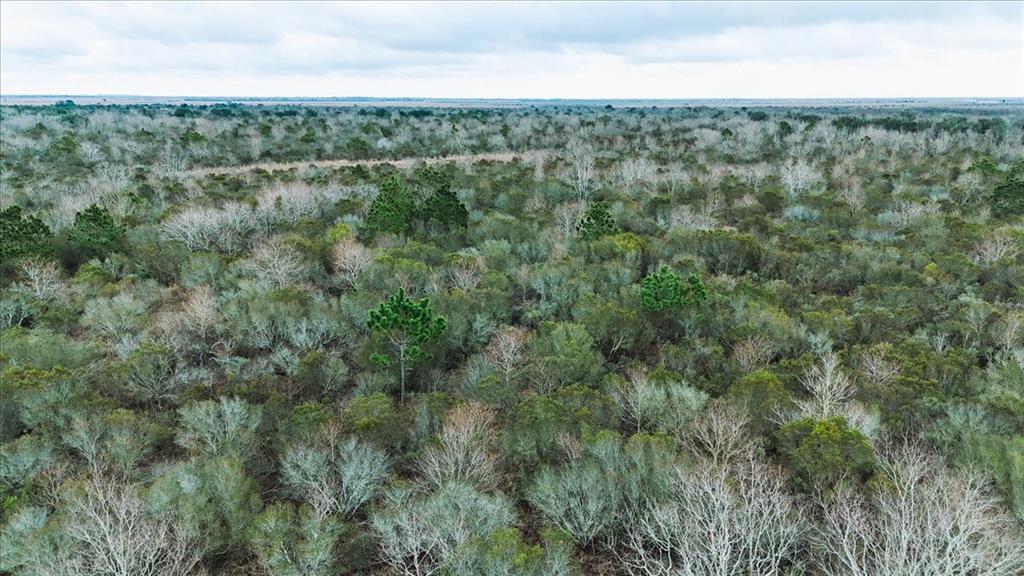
(506, 49)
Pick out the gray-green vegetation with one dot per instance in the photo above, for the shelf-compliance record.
(549, 340)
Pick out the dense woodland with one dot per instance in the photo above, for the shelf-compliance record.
(521, 341)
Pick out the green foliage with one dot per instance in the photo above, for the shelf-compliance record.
(664, 290)
(822, 452)
(22, 235)
(763, 396)
(224, 428)
(214, 353)
(1008, 195)
(580, 498)
(442, 205)
(290, 544)
(596, 223)
(563, 353)
(408, 325)
(94, 234)
(392, 211)
(215, 499)
(374, 418)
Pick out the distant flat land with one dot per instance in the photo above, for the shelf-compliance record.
(100, 99)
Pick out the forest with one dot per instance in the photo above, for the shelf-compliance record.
(537, 340)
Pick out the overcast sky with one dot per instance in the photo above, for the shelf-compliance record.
(523, 50)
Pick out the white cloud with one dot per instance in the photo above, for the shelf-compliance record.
(562, 50)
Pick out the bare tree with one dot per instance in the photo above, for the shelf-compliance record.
(854, 198)
(924, 519)
(420, 534)
(799, 177)
(720, 434)
(637, 172)
(996, 246)
(335, 478)
(112, 534)
(755, 175)
(656, 406)
(350, 259)
(567, 216)
(581, 162)
(463, 452)
(829, 386)
(1008, 332)
(718, 521)
(465, 273)
(877, 368)
(200, 314)
(507, 351)
(41, 279)
(753, 352)
(278, 262)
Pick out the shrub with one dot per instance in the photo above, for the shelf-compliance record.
(664, 291)
(423, 533)
(289, 544)
(224, 428)
(822, 452)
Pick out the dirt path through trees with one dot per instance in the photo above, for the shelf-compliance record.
(336, 163)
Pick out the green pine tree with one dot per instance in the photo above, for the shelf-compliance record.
(392, 211)
(665, 290)
(407, 325)
(1008, 196)
(596, 223)
(443, 205)
(94, 234)
(22, 235)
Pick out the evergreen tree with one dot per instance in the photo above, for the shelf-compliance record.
(1008, 196)
(22, 235)
(596, 223)
(664, 290)
(407, 325)
(392, 210)
(93, 235)
(443, 205)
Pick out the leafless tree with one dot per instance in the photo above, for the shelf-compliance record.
(278, 262)
(1008, 332)
(718, 521)
(798, 176)
(853, 196)
(465, 273)
(656, 406)
(350, 259)
(199, 313)
(634, 396)
(112, 534)
(581, 162)
(720, 434)
(829, 386)
(924, 519)
(421, 533)
(567, 216)
(507, 351)
(996, 246)
(906, 213)
(755, 175)
(464, 450)
(41, 279)
(877, 368)
(753, 352)
(637, 172)
(334, 477)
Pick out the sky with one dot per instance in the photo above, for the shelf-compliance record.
(514, 49)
